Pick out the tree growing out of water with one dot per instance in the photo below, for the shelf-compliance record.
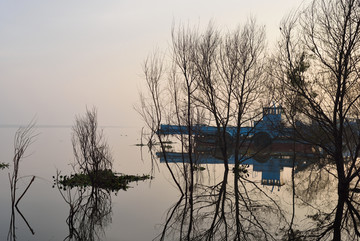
(24, 137)
(318, 63)
(91, 151)
(213, 79)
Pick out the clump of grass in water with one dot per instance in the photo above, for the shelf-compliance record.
(105, 179)
(242, 170)
(4, 165)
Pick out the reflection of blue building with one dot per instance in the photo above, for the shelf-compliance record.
(270, 169)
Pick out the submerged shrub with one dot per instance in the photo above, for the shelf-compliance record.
(4, 165)
(90, 148)
(105, 179)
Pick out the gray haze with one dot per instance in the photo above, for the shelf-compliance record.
(57, 57)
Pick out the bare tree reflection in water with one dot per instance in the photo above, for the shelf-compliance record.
(316, 192)
(257, 214)
(90, 211)
(214, 212)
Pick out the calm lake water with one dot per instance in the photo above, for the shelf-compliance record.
(141, 212)
(136, 213)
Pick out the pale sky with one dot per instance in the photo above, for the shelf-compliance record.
(58, 57)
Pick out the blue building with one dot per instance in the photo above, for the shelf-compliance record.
(270, 123)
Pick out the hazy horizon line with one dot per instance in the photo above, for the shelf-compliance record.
(58, 126)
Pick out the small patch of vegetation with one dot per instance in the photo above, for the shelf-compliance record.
(105, 179)
(4, 165)
(242, 170)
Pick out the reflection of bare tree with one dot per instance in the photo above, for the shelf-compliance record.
(260, 216)
(316, 193)
(89, 212)
(214, 212)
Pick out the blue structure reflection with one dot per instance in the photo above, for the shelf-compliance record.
(270, 166)
(268, 146)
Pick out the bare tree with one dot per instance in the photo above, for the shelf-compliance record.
(152, 107)
(213, 79)
(243, 62)
(318, 71)
(24, 137)
(90, 148)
